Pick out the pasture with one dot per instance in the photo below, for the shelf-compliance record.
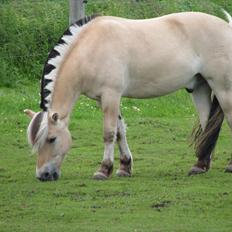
(158, 197)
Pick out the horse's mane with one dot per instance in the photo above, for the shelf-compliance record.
(55, 58)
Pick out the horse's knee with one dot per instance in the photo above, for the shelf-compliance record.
(109, 136)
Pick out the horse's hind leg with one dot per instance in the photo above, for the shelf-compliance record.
(225, 99)
(110, 103)
(126, 160)
(202, 99)
(229, 167)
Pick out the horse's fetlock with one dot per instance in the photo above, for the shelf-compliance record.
(125, 163)
(203, 164)
(106, 167)
(125, 160)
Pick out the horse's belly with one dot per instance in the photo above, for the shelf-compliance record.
(148, 89)
(155, 83)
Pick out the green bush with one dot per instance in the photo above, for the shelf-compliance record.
(29, 29)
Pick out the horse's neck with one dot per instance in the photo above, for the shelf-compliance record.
(65, 94)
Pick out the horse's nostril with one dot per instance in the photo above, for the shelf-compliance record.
(55, 176)
(46, 175)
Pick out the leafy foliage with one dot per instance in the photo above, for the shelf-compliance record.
(29, 29)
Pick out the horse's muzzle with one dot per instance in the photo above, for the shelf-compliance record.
(46, 176)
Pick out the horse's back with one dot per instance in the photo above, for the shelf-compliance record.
(153, 53)
(195, 31)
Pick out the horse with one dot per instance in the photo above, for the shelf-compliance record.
(106, 58)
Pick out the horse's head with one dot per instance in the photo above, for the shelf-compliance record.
(50, 139)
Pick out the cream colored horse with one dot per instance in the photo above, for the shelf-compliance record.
(106, 58)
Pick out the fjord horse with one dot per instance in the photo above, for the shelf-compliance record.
(106, 58)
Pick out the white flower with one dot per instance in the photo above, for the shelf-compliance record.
(136, 108)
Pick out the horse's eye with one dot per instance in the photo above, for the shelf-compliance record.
(51, 140)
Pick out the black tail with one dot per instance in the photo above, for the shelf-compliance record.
(205, 141)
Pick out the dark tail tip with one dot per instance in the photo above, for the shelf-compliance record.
(205, 141)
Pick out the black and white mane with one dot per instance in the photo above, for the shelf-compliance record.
(37, 129)
(55, 58)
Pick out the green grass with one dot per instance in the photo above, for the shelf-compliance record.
(159, 197)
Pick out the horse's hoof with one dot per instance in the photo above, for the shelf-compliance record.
(229, 168)
(196, 170)
(122, 173)
(100, 176)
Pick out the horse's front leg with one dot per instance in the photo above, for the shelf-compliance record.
(126, 160)
(110, 107)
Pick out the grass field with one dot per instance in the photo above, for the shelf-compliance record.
(159, 197)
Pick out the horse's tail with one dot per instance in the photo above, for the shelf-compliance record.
(205, 141)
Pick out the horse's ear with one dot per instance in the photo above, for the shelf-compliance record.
(54, 117)
(30, 113)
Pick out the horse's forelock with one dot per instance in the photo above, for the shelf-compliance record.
(37, 130)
